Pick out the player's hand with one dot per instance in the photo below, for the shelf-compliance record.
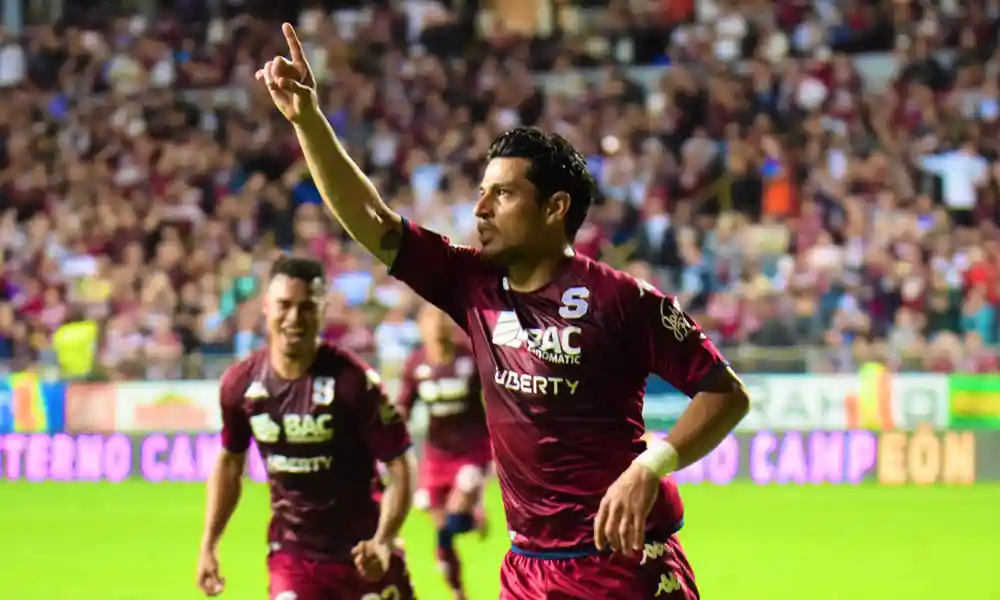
(371, 558)
(621, 518)
(209, 580)
(291, 82)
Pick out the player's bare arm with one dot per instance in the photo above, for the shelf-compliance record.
(715, 410)
(224, 489)
(680, 353)
(371, 557)
(345, 189)
(396, 499)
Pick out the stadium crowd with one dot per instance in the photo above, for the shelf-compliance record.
(812, 211)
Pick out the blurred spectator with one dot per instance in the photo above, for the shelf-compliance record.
(818, 182)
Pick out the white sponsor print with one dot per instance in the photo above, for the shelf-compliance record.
(264, 429)
(324, 389)
(574, 303)
(307, 429)
(298, 465)
(256, 391)
(533, 385)
(557, 345)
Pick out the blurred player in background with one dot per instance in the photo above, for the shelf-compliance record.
(564, 346)
(321, 420)
(443, 375)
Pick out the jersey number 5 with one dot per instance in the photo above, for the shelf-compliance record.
(574, 303)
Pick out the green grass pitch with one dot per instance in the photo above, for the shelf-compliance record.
(138, 541)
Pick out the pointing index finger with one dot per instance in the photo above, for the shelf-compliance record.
(294, 45)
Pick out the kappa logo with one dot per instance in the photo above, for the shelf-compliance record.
(653, 551)
(256, 391)
(389, 593)
(668, 584)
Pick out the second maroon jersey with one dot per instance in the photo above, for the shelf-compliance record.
(452, 394)
(319, 437)
(564, 372)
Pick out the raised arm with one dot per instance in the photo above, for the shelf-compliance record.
(346, 190)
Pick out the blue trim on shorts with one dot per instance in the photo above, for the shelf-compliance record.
(581, 550)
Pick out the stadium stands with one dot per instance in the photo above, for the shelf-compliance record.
(820, 186)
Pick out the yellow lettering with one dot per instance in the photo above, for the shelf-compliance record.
(959, 458)
(924, 456)
(891, 459)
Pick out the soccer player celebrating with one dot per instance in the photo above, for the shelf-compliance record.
(564, 346)
(443, 375)
(321, 421)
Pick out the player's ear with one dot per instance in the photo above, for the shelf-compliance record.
(557, 207)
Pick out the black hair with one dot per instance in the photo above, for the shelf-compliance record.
(303, 269)
(556, 166)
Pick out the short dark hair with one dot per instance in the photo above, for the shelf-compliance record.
(556, 166)
(303, 269)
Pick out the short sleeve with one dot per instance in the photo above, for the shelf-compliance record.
(235, 422)
(675, 347)
(381, 426)
(440, 272)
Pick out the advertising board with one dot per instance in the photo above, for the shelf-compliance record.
(30, 404)
(974, 401)
(832, 402)
(143, 406)
(923, 457)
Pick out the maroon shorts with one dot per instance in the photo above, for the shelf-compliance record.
(295, 578)
(662, 573)
(441, 472)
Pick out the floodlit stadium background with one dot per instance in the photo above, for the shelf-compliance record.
(819, 185)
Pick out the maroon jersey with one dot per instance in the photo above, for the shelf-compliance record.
(319, 437)
(564, 373)
(453, 395)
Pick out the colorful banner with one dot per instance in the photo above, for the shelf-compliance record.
(923, 457)
(29, 404)
(974, 401)
(143, 406)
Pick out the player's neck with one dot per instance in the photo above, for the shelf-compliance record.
(291, 367)
(530, 276)
(440, 354)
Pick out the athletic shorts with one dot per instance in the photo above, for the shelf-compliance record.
(441, 472)
(662, 573)
(295, 578)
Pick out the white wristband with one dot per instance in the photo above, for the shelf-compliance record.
(660, 457)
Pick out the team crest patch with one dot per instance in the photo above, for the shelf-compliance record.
(674, 320)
